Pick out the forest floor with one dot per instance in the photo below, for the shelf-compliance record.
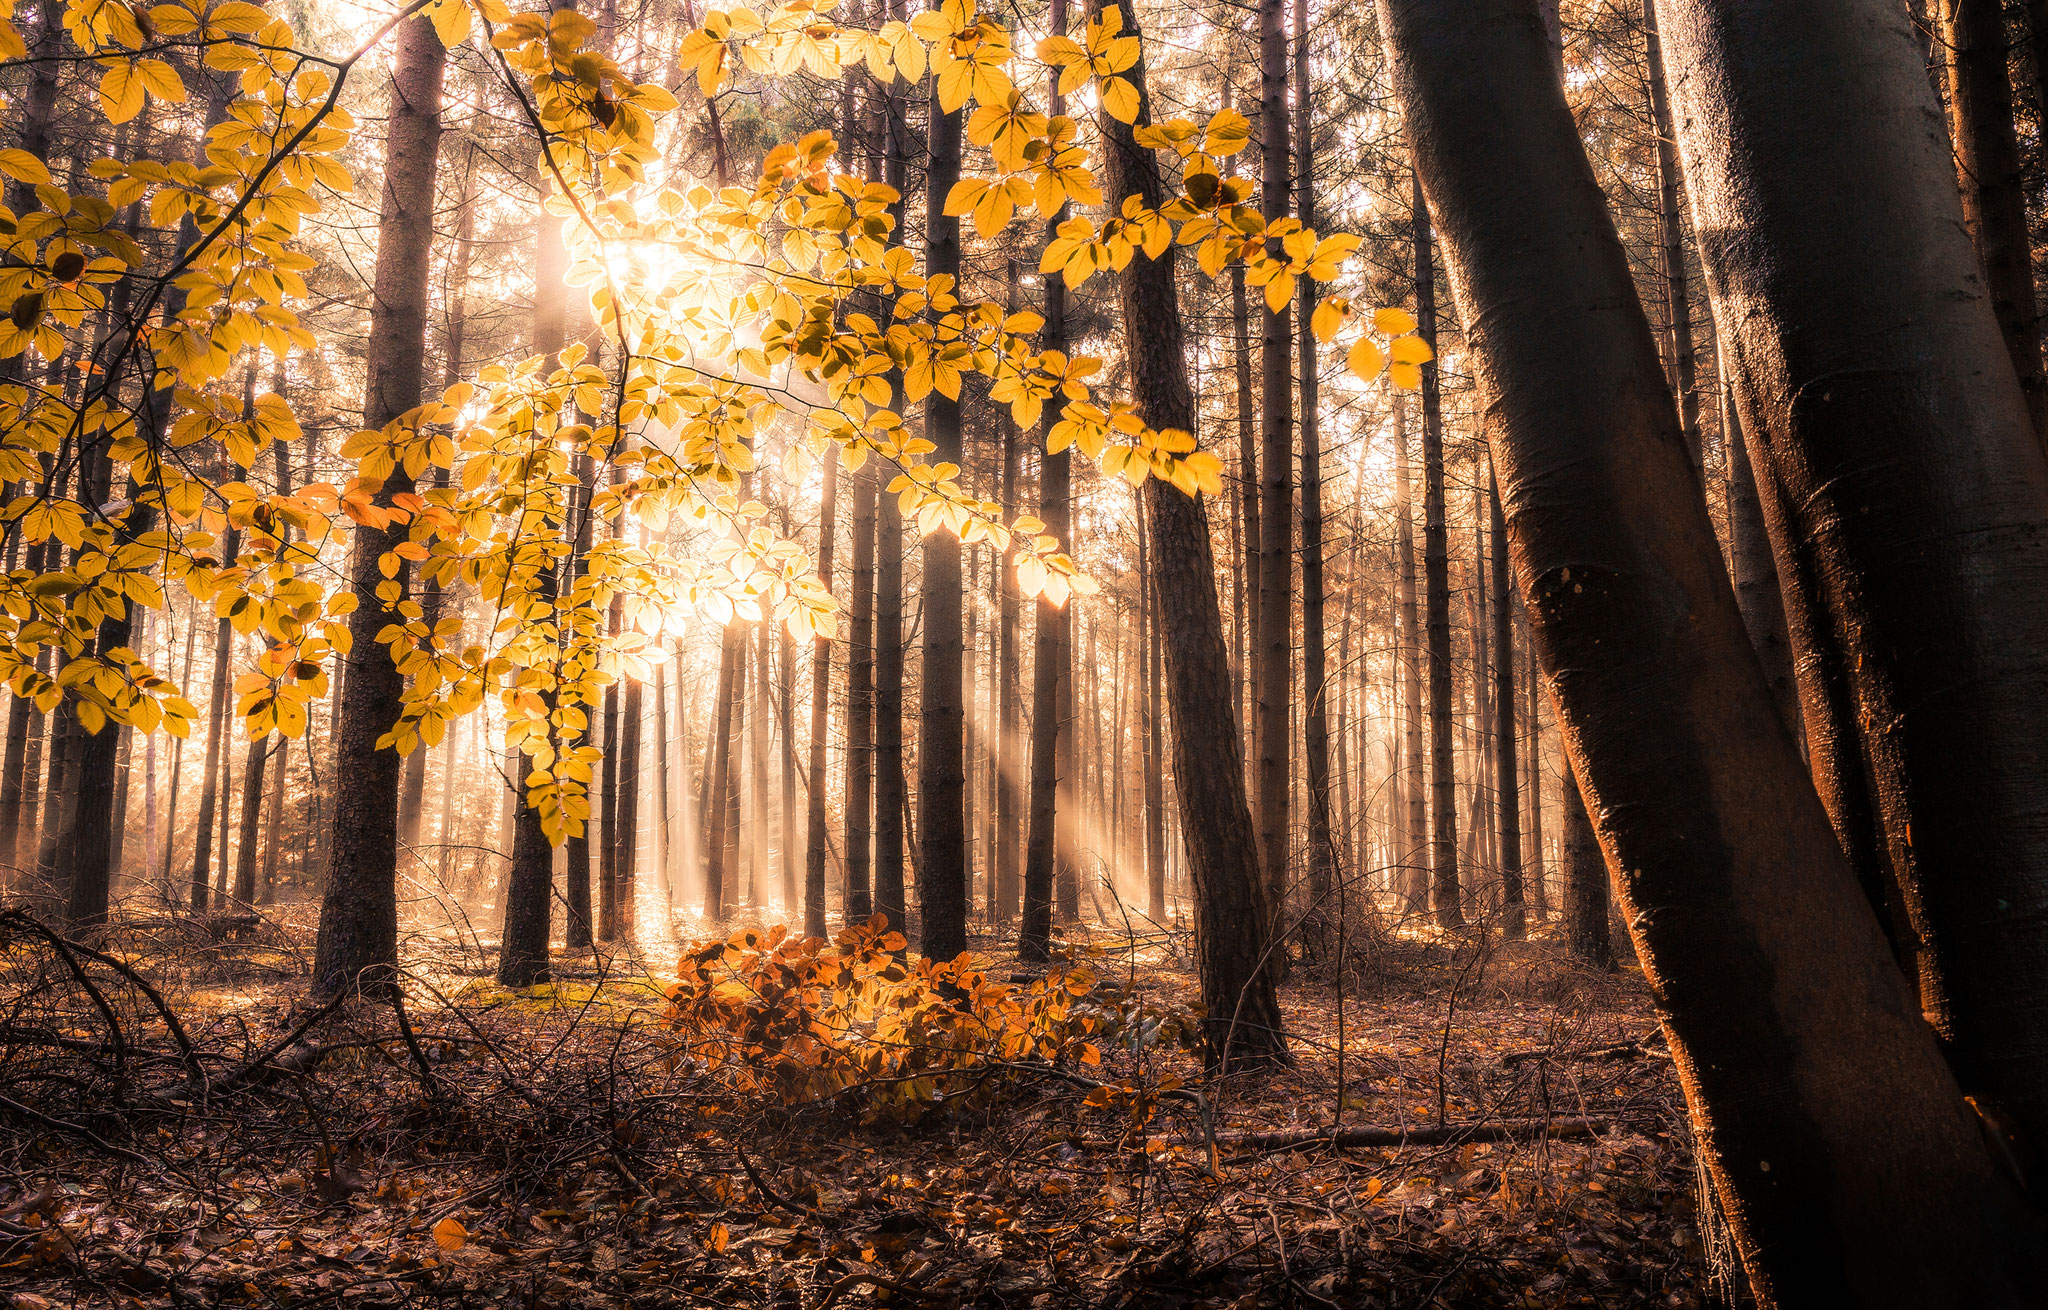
(180, 1125)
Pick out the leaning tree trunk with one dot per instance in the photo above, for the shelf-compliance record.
(1987, 160)
(1905, 489)
(1671, 249)
(1850, 1167)
(1235, 946)
(358, 943)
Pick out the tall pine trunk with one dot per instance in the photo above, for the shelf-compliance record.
(815, 832)
(1315, 688)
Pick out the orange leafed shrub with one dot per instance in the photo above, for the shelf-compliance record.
(802, 1020)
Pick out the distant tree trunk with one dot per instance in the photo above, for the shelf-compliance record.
(1275, 656)
(1671, 248)
(577, 919)
(1414, 847)
(1757, 593)
(719, 871)
(1532, 773)
(1245, 688)
(1049, 628)
(815, 831)
(1905, 488)
(18, 772)
(1585, 883)
(1010, 758)
(1987, 161)
(1436, 565)
(1506, 775)
(625, 840)
(358, 944)
(890, 798)
(1235, 949)
(942, 865)
(217, 728)
(247, 850)
(530, 882)
(1315, 689)
(1796, 1041)
(1151, 664)
(860, 701)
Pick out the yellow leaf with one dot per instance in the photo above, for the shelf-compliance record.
(1393, 322)
(1365, 359)
(1120, 98)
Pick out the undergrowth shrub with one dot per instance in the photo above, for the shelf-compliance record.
(801, 1020)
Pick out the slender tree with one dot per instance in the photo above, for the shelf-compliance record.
(1235, 950)
(358, 943)
(1436, 568)
(821, 703)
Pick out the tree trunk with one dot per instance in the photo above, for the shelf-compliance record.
(1849, 1165)
(1414, 848)
(1049, 669)
(358, 943)
(1987, 161)
(1235, 951)
(1671, 248)
(1507, 778)
(217, 729)
(1009, 757)
(1275, 656)
(860, 701)
(821, 703)
(1315, 689)
(719, 872)
(942, 862)
(1585, 883)
(1905, 489)
(1436, 566)
(1757, 593)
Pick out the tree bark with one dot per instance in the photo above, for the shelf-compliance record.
(1315, 689)
(1757, 593)
(358, 943)
(1414, 846)
(1235, 949)
(1987, 161)
(1275, 656)
(1904, 486)
(1049, 628)
(1507, 778)
(942, 865)
(1436, 568)
(1671, 248)
(1849, 1165)
(821, 702)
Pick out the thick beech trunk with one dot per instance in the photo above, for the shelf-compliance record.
(358, 944)
(1850, 1167)
(1905, 489)
(1235, 950)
